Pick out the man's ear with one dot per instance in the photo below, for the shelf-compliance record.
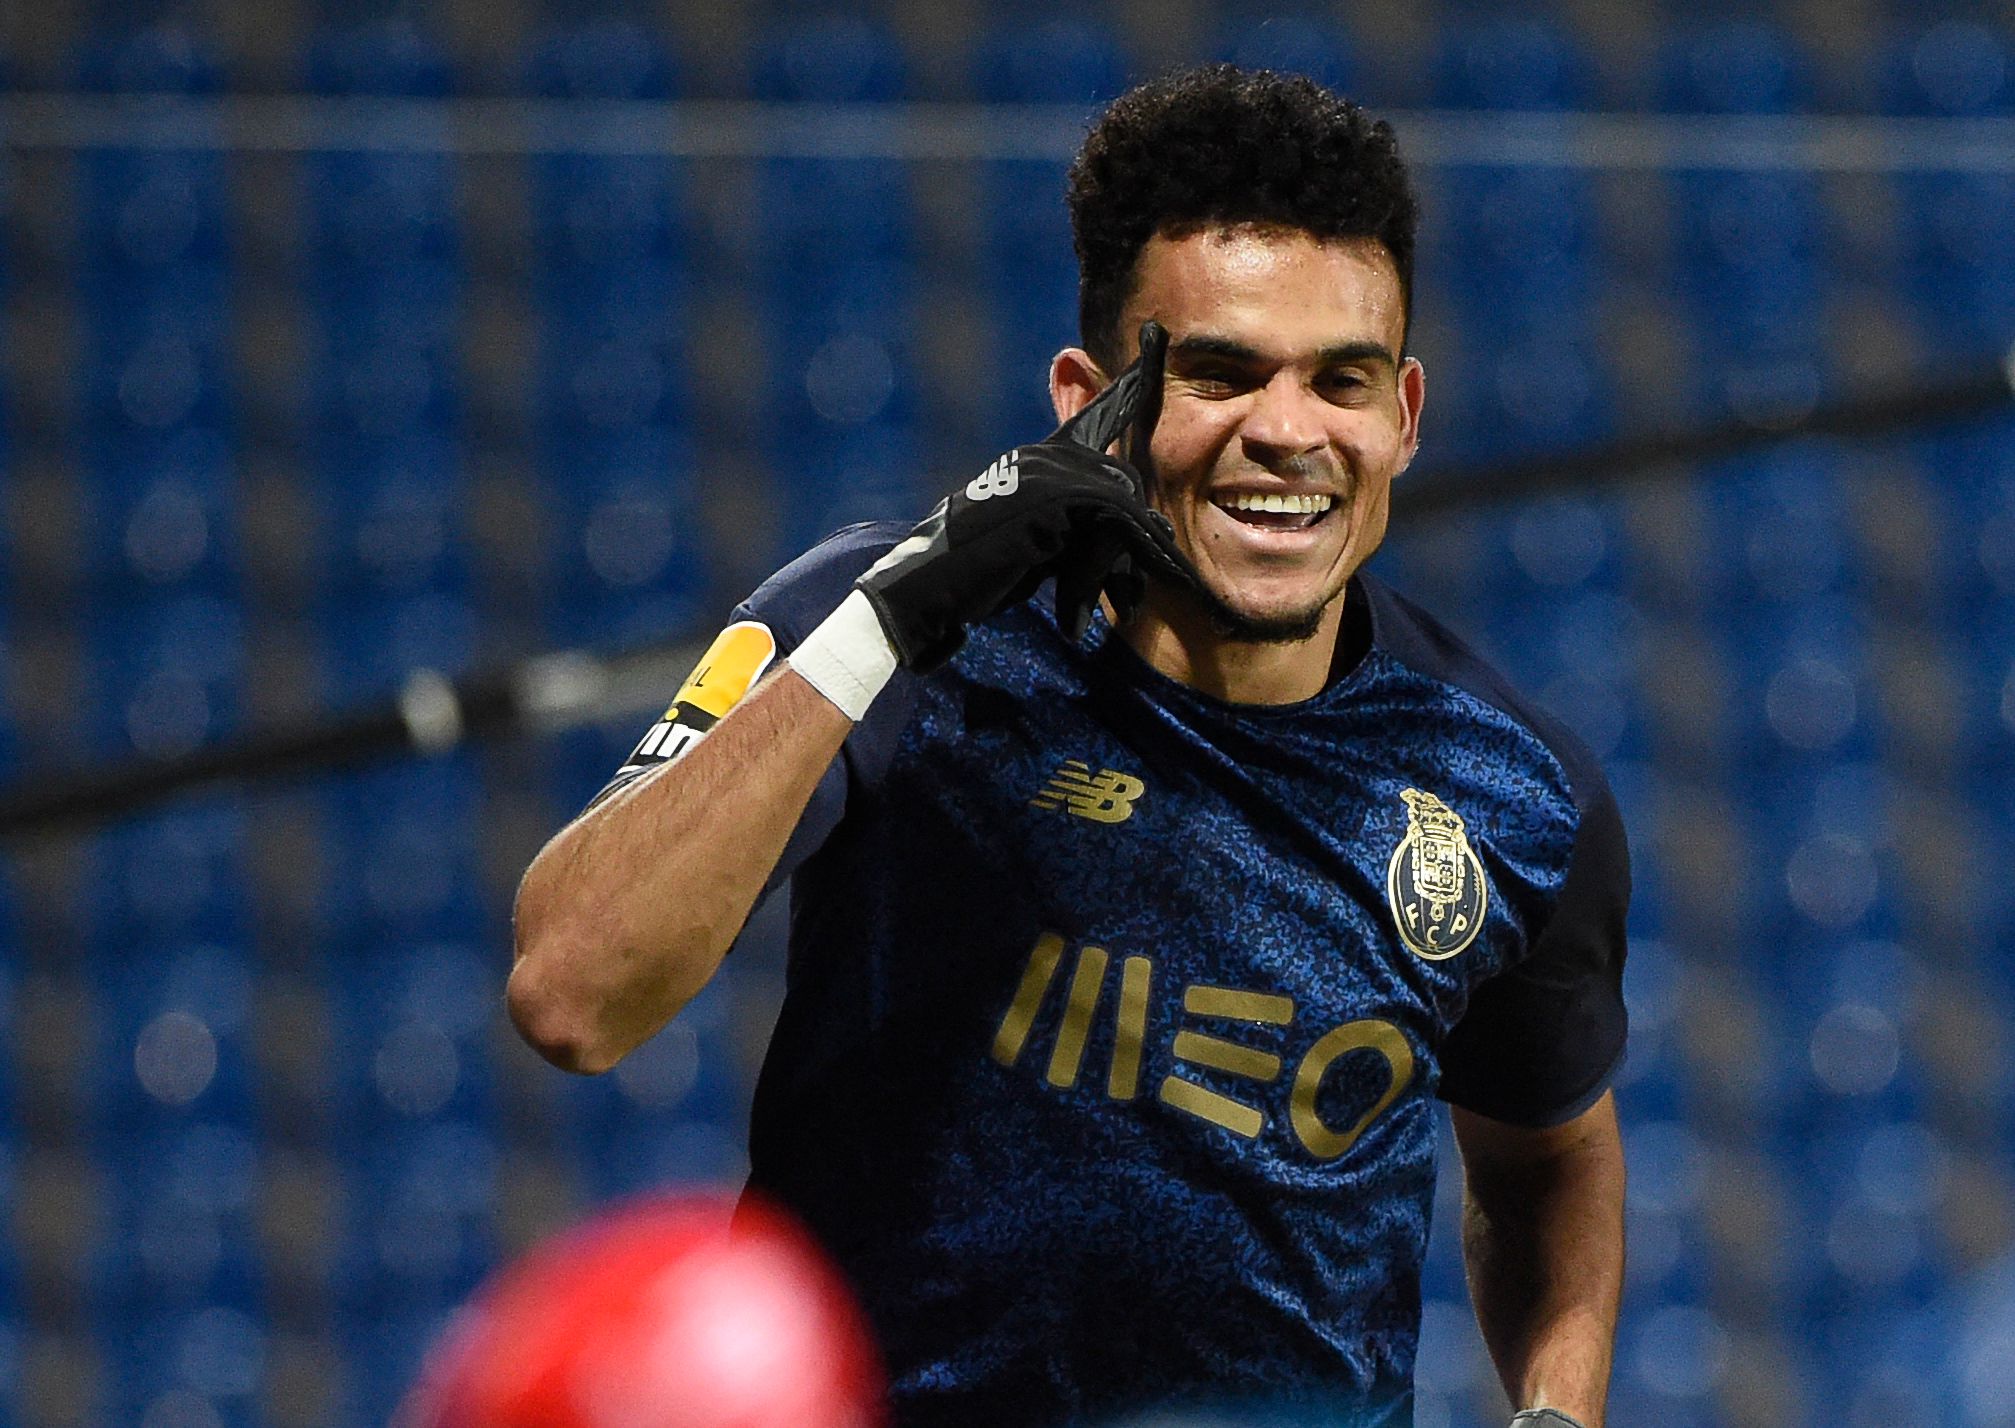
(1074, 379)
(1412, 400)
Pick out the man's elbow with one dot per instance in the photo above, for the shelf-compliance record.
(558, 1025)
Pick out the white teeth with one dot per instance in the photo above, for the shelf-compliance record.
(1279, 504)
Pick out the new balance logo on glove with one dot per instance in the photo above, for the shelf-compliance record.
(999, 479)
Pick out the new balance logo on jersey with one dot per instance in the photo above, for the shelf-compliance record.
(999, 479)
(1105, 797)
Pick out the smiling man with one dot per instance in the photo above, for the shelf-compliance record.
(1155, 872)
(1287, 412)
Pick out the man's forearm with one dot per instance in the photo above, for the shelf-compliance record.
(1543, 1235)
(627, 912)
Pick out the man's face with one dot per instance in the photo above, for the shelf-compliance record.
(1285, 388)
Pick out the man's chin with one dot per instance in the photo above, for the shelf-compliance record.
(1270, 627)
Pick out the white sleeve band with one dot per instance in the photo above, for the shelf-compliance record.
(848, 658)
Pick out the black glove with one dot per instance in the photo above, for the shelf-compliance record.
(1061, 507)
(1544, 1418)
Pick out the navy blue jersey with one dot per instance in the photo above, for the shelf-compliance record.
(1116, 1013)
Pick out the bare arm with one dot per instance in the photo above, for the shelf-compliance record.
(1543, 1236)
(627, 912)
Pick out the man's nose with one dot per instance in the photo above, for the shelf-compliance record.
(1286, 417)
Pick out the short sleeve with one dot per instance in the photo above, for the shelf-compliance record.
(786, 608)
(1540, 1041)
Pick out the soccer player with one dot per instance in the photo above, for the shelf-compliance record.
(1153, 868)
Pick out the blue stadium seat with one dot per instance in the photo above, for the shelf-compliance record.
(1288, 41)
(1443, 1276)
(1524, 221)
(183, 1198)
(839, 281)
(1651, 1084)
(614, 286)
(371, 647)
(157, 362)
(629, 618)
(1670, 1359)
(837, 226)
(1743, 65)
(834, 58)
(1670, 1254)
(1957, 65)
(11, 760)
(1803, 701)
(387, 55)
(1030, 280)
(581, 761)
(1853, 1071)
(1543, 391)
(1510, 61)
(176, 1041)
(1059, 59)
(393, 525)
(384, 1352)
(10, 1105)
(153, 528)
(613, 228)
(614, 363)
(168, 673)
(839, 268)
(606, 57)
(416, 1242)
(129, 55)
(391, 387)
(1779, 538)
(670, 1113)
(1959, 228)
(180, 875)
(144, 210)
(862, 473)
(1520, 268)
(402, 854)
(376, 214)
(1027, 233)
(626, 542)
(158, 1359)
(1523, 247)
(1453, 1363)
(177, 1292)
(411, 1023)
(614, 235)
(1586, 637)
(1747, 220)
(1752, 281)
(658, 1153)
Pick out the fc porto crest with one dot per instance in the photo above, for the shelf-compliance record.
(1434, 883)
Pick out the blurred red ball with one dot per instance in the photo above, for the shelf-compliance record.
(685, 1312)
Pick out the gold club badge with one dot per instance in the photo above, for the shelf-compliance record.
(1434, 883)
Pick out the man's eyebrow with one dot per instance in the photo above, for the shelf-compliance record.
(1204, 344)
(1348, 352)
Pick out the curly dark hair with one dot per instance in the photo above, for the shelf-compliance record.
(1220, 145)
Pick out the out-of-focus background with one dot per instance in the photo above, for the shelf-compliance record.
(343, 339)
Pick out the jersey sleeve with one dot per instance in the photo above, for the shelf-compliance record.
(1540, 1041)
(766, 626)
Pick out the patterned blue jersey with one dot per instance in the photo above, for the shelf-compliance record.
(1116, 1013)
